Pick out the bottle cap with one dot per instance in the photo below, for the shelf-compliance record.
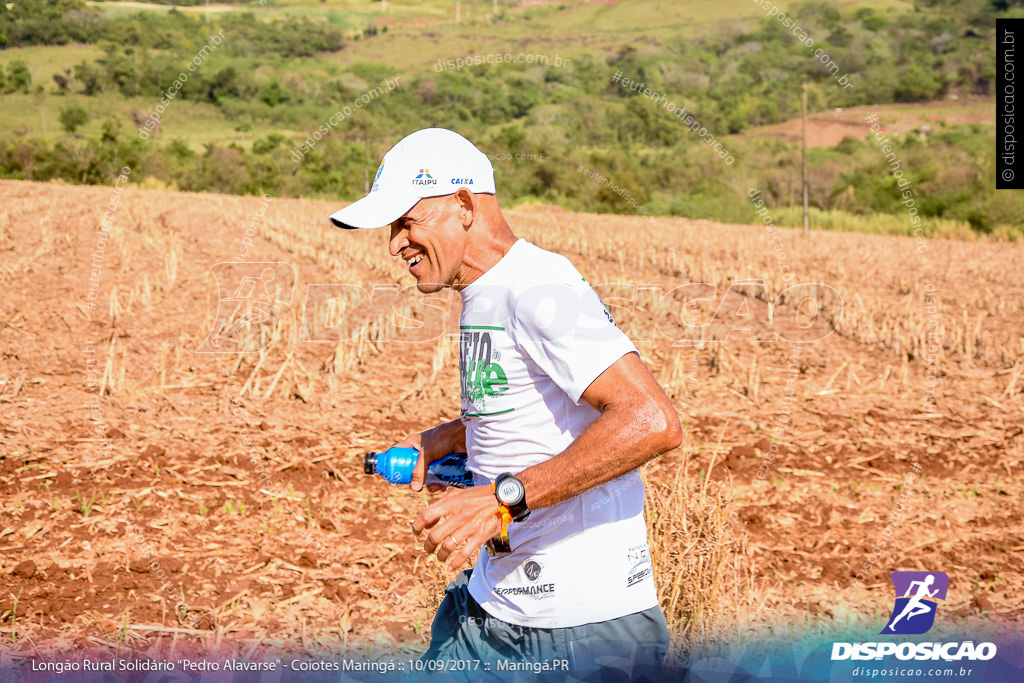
(370, 463)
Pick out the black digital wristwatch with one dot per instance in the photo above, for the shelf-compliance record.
(511, 493)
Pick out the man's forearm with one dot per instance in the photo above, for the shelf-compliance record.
(621, 439)
(452, 434)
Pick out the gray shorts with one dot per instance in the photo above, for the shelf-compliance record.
(469, 644)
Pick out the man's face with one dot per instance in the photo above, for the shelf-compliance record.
(431, 238)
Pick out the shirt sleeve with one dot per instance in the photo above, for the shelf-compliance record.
(568, 332)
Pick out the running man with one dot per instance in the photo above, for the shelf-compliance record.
(558, 412)
(915, 605)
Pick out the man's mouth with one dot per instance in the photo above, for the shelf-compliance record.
(414, 261)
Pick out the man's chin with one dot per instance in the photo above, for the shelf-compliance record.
(429, 287)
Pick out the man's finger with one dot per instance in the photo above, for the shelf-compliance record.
(429, 516)
(446, 547)
(446, 532)
(419, 472)
(462, 556)
(483, 528)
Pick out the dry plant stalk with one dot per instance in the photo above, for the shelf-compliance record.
(688, 535)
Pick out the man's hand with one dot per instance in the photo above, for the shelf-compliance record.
(434, 444)
(465, 517)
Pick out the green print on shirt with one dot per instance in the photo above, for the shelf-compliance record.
(481, 376)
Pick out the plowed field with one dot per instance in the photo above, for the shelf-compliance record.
(162, 491)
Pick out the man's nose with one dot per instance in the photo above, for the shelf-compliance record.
(399, 240)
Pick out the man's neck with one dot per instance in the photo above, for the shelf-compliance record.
(483, 253)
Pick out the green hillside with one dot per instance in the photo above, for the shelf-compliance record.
(301, 99)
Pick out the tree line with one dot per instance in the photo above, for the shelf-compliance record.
(735, 79)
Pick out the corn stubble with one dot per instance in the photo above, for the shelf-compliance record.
(313, 556)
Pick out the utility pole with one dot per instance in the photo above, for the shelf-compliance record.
(803, 109)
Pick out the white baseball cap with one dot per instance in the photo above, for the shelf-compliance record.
(428, 163)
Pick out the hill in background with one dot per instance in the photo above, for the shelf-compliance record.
(643, 107)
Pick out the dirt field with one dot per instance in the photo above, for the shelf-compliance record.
(158, 499)
(828, 128)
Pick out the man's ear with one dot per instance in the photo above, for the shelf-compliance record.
(467, 206)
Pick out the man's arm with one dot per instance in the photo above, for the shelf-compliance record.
(637, 422)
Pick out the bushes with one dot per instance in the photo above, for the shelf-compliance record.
(19, 78)
(72, 117)
(729, 81)
(917, 85)
(59, 22)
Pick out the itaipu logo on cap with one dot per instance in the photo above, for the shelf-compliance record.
(424, 178)
(917, 594)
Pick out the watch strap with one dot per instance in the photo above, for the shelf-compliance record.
(521, 511)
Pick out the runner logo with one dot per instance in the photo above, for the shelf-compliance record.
(913, 614)
(916, 599)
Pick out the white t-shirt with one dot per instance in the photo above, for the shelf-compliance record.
(534, 335)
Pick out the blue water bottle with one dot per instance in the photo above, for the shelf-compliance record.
(397, 463)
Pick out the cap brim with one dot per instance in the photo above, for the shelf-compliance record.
(375, 210)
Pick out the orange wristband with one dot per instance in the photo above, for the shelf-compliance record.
(499, 542)
(506, 518)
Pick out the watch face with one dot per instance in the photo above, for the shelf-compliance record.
(510, 491)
